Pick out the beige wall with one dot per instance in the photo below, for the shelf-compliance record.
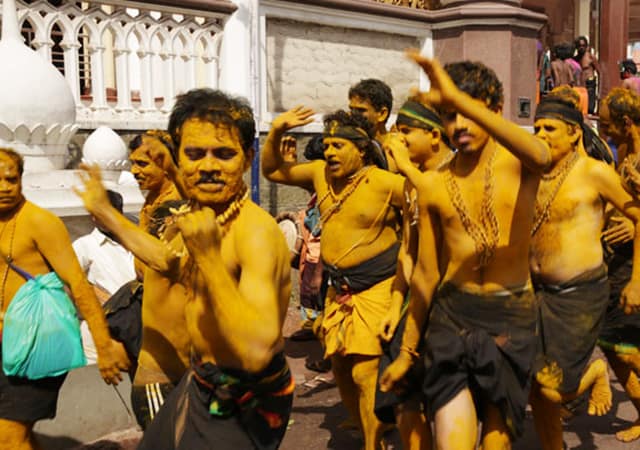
(315, 65)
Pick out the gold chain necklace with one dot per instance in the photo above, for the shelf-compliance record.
(222, 219)
(339, 199)
(485, 232)
(8, 259)
(542, 211)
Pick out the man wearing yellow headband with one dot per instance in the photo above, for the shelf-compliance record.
(359, 247)
(568, 268)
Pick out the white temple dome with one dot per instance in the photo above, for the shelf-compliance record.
(37, 108)
(33, 92)
(105, 148)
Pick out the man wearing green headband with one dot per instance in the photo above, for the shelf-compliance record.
(418, 145)
(472, 271)
(359, 247)
(568, 268)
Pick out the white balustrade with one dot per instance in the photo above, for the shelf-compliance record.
(156, 55)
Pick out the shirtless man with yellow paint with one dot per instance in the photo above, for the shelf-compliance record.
(359, 248)
(418, 145)
(238, 388)
(151, 177)
(568, 268)
(38, 243)
(472, 271)
(620, 336)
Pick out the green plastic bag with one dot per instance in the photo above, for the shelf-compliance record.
(41, 335)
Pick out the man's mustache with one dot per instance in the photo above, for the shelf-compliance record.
(208, 178)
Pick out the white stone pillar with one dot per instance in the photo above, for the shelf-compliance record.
(191, 76)
(122, 79)
(43, 48)
(147, 103)
(211, 72)
(71, 68)
(98, 90)
(236, 53)
(169, 81)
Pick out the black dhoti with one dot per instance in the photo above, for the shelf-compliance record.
(571, 318)
(215, 408)
(486, 343)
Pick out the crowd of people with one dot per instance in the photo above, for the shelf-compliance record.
(455, 267)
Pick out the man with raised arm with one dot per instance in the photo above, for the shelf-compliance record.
(418, 145)
(150, 177)
(238, 390)
(36, 241)
(472, 271)
(568, 268)
(359, 247)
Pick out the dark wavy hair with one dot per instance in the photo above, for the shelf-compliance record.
(477, 80)
(345, 118)
(216, 107)
(623, 102)
(377, 92)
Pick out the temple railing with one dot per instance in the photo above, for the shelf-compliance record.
(125, 61)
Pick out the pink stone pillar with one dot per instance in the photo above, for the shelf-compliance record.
(500, 34)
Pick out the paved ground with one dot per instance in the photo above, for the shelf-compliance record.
(317, 412)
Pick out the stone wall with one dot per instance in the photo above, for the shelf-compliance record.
(315, 65)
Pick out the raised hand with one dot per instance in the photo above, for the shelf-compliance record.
(442, 89)
(93, 195)
(295, 117)
(396, 148)
(288, 148)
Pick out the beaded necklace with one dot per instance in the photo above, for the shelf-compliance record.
(542, 211)
(222, 219)
(485, 232)
(338, 200)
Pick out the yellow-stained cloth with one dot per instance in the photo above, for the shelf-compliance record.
(351, 323)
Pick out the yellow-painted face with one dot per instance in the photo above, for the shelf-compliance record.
(10, 184)
(465, 135)
(212, 162)
(147, 173)
(364, 108)
(343, 157)
(560, 136)
(420, 143)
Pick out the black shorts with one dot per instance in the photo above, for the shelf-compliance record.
(27, 401)
(146, 401)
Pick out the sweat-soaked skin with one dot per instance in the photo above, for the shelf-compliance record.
(39, 243)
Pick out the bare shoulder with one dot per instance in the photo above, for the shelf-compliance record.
(258, 230)
(431, 188)
(597, 168)
(40, 218)
(385, 178)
